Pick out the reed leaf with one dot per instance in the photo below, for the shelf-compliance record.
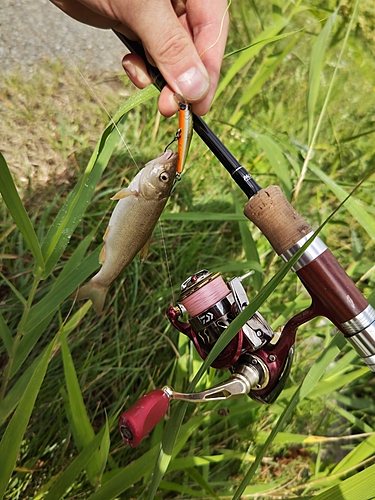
(254, 87)
(361, 486)
(42, 313)
(6, 335)
(15, 206)
(248, 54)
(278, 162)
(65, 481)
(311, 379)
(315, 71)
(13, 397)
(351, 204)
(12, 439)
(360, 453)
(82, 430)
(77, 202)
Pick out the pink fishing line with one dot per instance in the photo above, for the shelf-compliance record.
(206, 297)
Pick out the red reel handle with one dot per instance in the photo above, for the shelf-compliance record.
(142, 417)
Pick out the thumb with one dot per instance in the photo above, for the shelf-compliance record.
(171, 48)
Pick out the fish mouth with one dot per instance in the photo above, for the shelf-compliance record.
(168, 154)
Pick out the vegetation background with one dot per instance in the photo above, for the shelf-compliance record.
(296, 106)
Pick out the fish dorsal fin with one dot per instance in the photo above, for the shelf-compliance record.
(124, 193)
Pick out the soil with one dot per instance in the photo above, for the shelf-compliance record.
(32, 31)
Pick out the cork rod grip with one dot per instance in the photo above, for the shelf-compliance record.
(329, 286)
(271, 212)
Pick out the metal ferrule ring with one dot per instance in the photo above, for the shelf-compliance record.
(360, 322)
(369, 361)
(316, 248)
(364, 341)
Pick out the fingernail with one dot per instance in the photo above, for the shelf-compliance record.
(193, 84)
(139, 76)
(129, 68)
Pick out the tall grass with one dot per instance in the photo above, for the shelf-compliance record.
(295, 105)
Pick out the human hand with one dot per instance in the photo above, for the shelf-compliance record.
(185, 39)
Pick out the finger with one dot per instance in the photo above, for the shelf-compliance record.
(84, 14)
(209, 23)
(179, 7)
(136, 70)
(167, 103)
(171, 47)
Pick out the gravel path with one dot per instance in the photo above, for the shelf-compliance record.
(35, 30)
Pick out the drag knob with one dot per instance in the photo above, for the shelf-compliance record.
(142, 417)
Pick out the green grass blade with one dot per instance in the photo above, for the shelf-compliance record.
(266, 70)
(361, 486)
(278, 162)
(315, 71)
(16, 292)
(267, 40)
(15, 206)
(12, 439)
(249, 246)
(315, 132)
(76, 258)
(244, 57)
(82, 430)
(126, 476)
(360, 453)
(6, 335)
(351, 204)
(72, 212)
(308, 384)
(42, 313)
(67, 478)
(202, 483)
(13, 397)
(174, 423)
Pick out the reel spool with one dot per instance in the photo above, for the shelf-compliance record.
(212, 305)
(257, 357)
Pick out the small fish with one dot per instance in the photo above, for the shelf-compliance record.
(131, 224)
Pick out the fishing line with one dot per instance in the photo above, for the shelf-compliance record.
(131, 156)
(102, 105)
(220, 31)
(160, 225)
(205, 297)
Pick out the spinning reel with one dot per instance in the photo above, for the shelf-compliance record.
(258, 358)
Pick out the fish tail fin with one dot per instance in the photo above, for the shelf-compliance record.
(93, 292)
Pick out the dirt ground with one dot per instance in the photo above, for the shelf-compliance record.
(32, 31)
(57, 77)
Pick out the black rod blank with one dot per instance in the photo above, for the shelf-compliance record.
(238, 173)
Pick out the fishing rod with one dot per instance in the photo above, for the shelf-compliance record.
(258, 358)
(239, 174)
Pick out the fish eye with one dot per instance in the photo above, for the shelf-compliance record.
(164, 177)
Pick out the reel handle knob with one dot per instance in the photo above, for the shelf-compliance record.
(143, 416)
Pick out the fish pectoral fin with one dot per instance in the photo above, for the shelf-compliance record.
(124, 193)
(144, 250)
(102, 256)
